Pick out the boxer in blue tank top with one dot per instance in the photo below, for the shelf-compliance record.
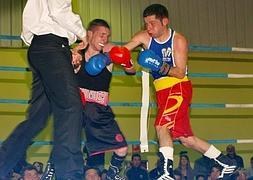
(166, 56)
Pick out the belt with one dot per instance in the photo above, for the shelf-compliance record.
(100, 97)
(167, 82)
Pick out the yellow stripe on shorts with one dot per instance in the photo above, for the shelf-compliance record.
(167, 82)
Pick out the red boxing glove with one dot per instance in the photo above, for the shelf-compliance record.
(121, 55)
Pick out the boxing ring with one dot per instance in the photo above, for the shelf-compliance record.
(146, 103)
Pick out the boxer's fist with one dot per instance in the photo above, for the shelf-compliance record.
(148, 59)
(76, 59)
(121, 55)
(96, 64)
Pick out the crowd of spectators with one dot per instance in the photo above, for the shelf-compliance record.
(136, 169)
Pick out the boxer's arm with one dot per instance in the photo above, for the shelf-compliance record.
(180, 53)
(139, 39)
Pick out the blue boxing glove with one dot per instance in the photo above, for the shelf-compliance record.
(148, 59)
(96, 64)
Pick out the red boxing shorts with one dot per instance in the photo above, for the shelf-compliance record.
(173, 97)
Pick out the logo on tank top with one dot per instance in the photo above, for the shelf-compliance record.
(166, 52)
(119, 138)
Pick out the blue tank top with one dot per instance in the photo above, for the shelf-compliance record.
(164, 50)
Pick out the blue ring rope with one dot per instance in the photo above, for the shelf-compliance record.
(138, 104)
(135, 104)
(129, 104)
(139, 73)
(120, 73)
(191, 47)
(8, 37)
(153, 142)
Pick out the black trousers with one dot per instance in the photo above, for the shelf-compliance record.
(54, 90)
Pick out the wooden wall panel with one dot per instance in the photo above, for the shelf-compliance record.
(219, 28)
(16, 21)
(230, 22)
(5, 20)
(248, 6)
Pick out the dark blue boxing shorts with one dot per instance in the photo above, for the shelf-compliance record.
(102, 131)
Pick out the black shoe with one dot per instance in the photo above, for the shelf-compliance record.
(165, 168)
(113, 173)
(49, 172)
(228, 168)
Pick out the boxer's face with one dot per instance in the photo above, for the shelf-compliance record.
(155, 26)
(100, 35)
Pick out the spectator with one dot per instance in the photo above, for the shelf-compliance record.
(39, 167)
(231, 153)
(136, 171)
(184, 168)
(241, 174)
(215, 172)
(249, 171)
(154, 173)
(203, 166)
(92, 174)
(30, 173)
(97, 161)
(201, 177)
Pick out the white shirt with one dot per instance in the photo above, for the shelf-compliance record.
(51, 16)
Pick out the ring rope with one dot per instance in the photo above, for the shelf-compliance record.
(139, 73)
(153, 142)
(139, 104)
(191, 47)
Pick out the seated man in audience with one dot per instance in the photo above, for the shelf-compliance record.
(136, 171)
(231, 153)
(203, 166)
(215, 172)
(91, 173)
(30, 173)
(39, 166)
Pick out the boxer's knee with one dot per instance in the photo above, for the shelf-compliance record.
(188, 141)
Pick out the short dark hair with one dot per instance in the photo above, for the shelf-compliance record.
(28, 168)
(40, 164)
(97, 22)
(87, 168)
(217, 166)
(158, 10)
(136, 155)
